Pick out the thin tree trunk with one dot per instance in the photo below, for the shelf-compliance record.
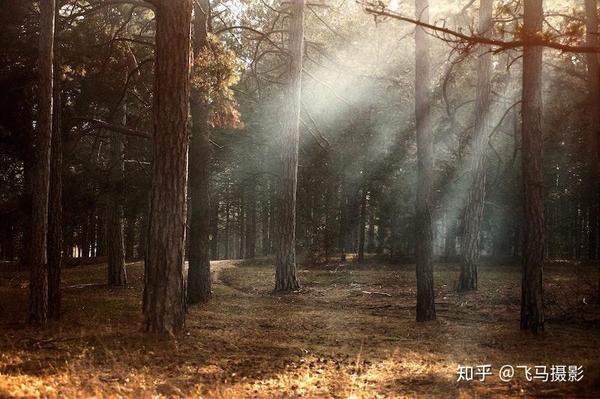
(424, 234)
(55, 227)
(99, 228)
(371, 234)
(285, 254)
(130, 237)
(227, 229)
(214, 227)
(473, 214)
(265, 218)
(363, 226)
(198, 282)
(164, 295)
(532, 305)
(250, 242)
(450, 242)
(241, 223)
(342, 238)
(114, 238)
(38, 298)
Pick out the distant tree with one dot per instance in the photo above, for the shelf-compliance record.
(473, 213)
(38, 285)
(250, 233)
(532, 302)
(424, 234)
(363, 225)
(164, 295)
(285, 253)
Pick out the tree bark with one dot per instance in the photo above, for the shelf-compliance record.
(424, 234)
(38, 284)
(227, 229)
(473, 213)
(250, 242)
(55, 226)
(532, 306)
(371, 234)
(130, 237)
(117, 274)
(593, 66)
(363, 226)
(164, 295)
(450, 239)
(214, 227)
(285, 254)
(265, 221)
(198, 282)
(342, 237)
(242, 221)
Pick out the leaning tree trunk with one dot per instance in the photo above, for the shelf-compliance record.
(55, 208)
(164, 295)
(424, 234)
(38, 284)
(285, 254)
(473, 213)
(593, 40)
(198, 282)
(532, 305)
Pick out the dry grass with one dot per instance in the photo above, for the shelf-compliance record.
(330, 340)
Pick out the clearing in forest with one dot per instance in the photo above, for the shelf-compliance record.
(350, 332)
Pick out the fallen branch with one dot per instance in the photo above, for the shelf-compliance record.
(376, 293)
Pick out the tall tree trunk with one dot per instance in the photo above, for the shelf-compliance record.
(241, 222)
(214, 227)
(532, 305)
(265, 219)
(250, 243)
(117, 274)
(198, 282)
(38, 284)
(342, 238)
(285, 254)
(371, 234)
(450, 239)
(473, 213)
(98, 231)
(130, 237)
(593, 40)
(227, 229)
(363, 226)
(424, 234)
(55, 227)
(164, 295)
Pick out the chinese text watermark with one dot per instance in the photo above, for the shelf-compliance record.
(506, 373)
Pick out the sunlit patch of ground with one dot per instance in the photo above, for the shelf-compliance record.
(350, 333)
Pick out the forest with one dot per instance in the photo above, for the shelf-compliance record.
(299, 198)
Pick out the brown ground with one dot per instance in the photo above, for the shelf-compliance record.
(340, 337)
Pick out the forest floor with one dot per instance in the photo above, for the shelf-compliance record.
(350, 333)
